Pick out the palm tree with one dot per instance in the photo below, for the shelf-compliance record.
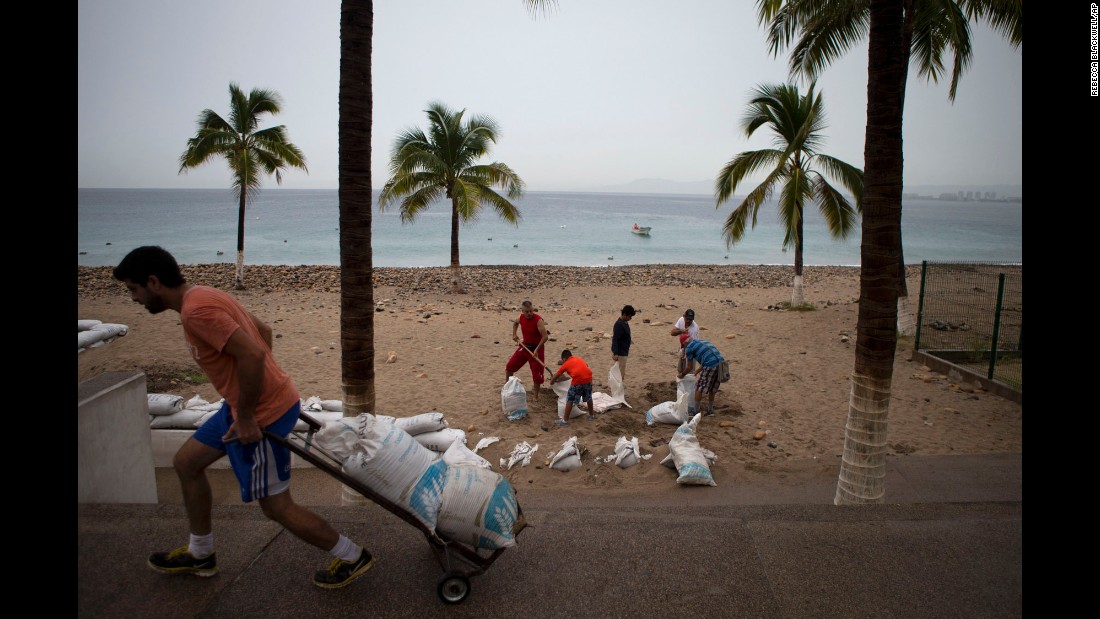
(897, 31)
(354, 195)
(425, 168)
(930, 30)
(248, 150)
(797, 122)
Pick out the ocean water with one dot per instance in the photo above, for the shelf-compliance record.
(301, 226)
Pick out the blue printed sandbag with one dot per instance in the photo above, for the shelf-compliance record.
(390, 462)
(688, 455)
(478, 508)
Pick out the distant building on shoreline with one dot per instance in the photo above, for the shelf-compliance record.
(969, 196)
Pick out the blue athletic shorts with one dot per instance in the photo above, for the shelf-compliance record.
(579, 393)
(263, 468)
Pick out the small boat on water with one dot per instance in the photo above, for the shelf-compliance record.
(643, 230)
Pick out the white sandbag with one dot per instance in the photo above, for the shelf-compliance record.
(204, 415)
(513, 399)
(685, 396)
(87, 339)
(182, 420)
(164, 403)
(688, 456)
(485, 442)
(391, 463)
(665, 412)
(561, 390)
(84, 325)
(431, 421)
(708, 454)
(112, 330)
(568, 458)
(628, 453)
(312, 404)
(340, 437)
(195, 402)
(332, 405)
(674, 412)
(520, 453)
(603, 402)
(319, 416)
(478, 508)
(440, 440)
(459, 454)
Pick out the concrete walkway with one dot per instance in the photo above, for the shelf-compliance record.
(948, 543)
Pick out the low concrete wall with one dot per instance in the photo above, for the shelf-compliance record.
(167, 442)
(114, 452)
(944, 366)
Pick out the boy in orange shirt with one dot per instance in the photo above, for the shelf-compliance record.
(579, 389)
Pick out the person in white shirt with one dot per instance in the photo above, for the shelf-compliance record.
(684, 325)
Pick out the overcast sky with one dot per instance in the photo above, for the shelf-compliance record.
(600, 92)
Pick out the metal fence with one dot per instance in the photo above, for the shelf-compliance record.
(971, 315)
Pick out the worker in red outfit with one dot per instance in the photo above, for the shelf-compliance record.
(533, 328)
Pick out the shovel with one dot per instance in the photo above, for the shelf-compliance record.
(534, 358)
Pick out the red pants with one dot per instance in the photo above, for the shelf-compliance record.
(519, 358)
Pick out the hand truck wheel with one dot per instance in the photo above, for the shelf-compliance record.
(453, 588)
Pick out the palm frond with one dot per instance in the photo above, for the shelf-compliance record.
(497, 174)
(940, 27)
(741, 167)
(792, 200)
(829, 30)
(849, 176)
(839, 214)
(1004, 16)
(734, 228)
(419, 200)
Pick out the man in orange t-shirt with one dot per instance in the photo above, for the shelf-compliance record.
(233, 348)
(581, 387)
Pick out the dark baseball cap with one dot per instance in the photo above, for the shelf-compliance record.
(690, 314)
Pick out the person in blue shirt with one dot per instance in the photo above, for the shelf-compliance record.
(620, 339)
(706, 379)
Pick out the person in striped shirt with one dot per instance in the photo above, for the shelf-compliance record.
(706, 379)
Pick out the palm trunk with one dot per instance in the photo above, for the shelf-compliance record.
(456, 274)
(797, 297)
(906, 323)
(356, 260)
(863, 462)
(239, 284)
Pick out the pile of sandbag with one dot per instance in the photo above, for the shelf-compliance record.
(95, 333)
(172, 412)
(463, 500)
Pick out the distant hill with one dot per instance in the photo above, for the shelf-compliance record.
(657, 185)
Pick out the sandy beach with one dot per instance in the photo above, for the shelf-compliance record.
(789, 369)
